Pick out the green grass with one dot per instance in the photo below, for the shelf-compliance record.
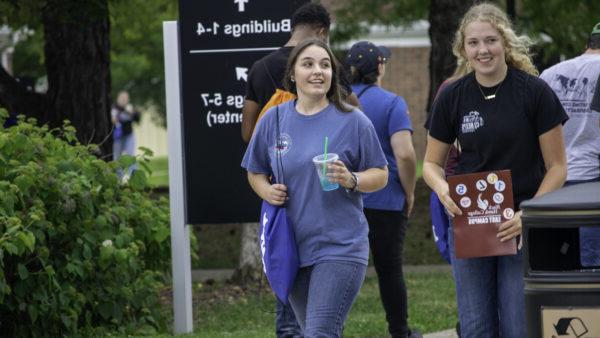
(227, 311)
(160, 171)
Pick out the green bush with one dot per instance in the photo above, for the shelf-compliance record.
(80, 252)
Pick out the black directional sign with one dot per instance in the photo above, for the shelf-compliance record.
(219, 42)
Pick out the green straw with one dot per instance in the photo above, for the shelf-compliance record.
(325, 158)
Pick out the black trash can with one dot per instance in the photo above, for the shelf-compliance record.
(562, 297)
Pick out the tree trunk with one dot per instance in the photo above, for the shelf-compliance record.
(77, 56)
(444, 18)
(250, 264)
(77, 52)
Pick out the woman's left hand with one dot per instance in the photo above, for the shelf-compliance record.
(338, 173)
(511, 228)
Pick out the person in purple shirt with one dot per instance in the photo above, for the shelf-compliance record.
(329, 226)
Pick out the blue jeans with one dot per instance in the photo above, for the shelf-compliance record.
(490, 295)
(124, 145)
(323, 294)
(286, 325)
(589, 238)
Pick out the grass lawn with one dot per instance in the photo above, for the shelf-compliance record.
(229, 311)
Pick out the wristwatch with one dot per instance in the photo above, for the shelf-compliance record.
(355, 179)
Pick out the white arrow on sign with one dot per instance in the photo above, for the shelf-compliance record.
(241, 73)
(241, 4)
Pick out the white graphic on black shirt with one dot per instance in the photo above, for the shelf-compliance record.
(471, 122)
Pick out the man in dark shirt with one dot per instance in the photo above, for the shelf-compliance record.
(309, 21)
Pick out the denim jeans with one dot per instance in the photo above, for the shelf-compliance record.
(386, 239)
(323, 294)
(124, 145)
(490, 295)
(589, 238)
(286, 325)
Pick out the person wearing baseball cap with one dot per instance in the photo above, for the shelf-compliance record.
(366, 58)
(388, 209)
(576, 82)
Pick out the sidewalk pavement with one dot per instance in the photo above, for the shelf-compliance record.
(442, 334)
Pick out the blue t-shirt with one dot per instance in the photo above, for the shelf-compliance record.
(389, 115)
(328, 225)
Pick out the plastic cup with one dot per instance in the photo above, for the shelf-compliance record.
(320, 162)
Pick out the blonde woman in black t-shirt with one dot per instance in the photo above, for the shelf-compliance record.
(519, 128)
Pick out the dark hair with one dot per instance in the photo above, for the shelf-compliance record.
(334, 92)
(313, 15)
(357, 77)
(594, 41)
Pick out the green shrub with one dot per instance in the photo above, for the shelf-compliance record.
(80, 252)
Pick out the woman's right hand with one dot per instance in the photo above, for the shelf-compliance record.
(444, 196)
(276, 194)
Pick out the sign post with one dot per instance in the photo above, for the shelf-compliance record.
(180, 231)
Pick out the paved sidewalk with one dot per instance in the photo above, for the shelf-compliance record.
(442, 334)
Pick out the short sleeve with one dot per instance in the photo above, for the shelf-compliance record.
(251, 84)
(440, 122)
(548, 111)
(371, 154)
(398, 118)
(256, 159)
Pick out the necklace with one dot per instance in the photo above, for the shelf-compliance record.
(491, 96)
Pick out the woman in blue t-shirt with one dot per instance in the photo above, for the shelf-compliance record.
(519, 128)
(387, 210)
(329, 226)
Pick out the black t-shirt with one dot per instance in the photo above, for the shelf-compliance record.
(262, 84)
(500, 133)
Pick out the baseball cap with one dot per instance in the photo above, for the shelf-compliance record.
(596, 29)
(366, 56)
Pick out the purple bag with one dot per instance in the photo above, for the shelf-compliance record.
(439, 225)
(279, 250)
(277, 242)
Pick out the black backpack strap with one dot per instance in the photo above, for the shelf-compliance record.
(278, 150)
(364, 90)
(270, 76)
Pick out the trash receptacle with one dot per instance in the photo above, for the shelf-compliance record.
(562, 298)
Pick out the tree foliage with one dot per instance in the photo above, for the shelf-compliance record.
(137, 48)
(76, 64)
(567, 23)
(136, 53)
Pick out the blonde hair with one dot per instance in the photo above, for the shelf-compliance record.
(516, 48)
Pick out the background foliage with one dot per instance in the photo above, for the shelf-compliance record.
(79, 252)
(567, 23)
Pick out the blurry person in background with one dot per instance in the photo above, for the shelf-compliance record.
(122, 116)
(574, 82)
